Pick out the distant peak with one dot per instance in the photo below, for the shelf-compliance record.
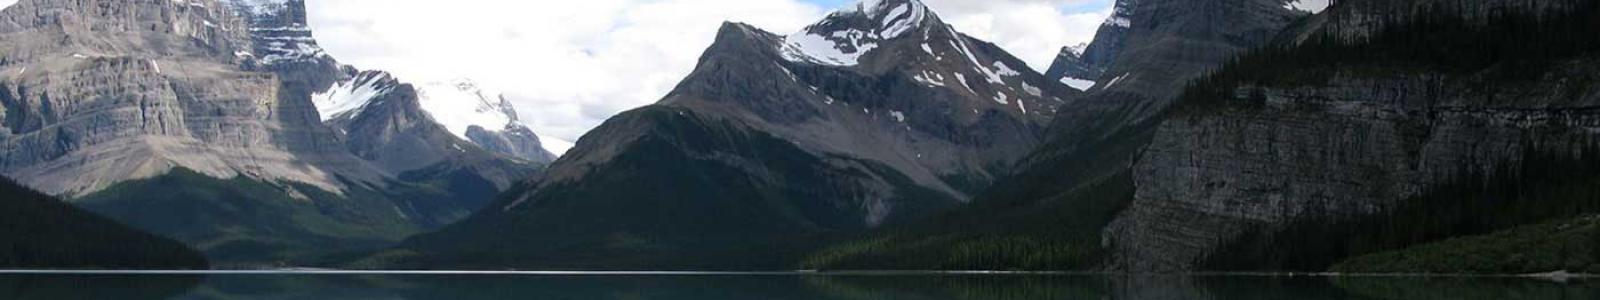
(846, 35)
(888, 19)
(1075, 49)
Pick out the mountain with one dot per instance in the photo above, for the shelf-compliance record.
(877, 114)
(195, 120)
(1050, 213)
(1353, 134)
(41, 232)
(459, 109)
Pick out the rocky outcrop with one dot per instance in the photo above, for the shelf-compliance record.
(1350, 144)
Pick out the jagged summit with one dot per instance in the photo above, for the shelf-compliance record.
(461, 107)
(846, 35)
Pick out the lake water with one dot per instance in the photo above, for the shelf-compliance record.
(773, 286)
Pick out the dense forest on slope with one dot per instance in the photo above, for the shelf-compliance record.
(1572, 244)
(1506, 49)
(1509, 46)
(1059, 234)
(245, 222)
(40, 232)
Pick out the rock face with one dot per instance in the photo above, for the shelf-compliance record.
(100, 92)
(133, 95)
(1351, 143)
(880, 112)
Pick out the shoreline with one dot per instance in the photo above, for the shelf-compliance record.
(1558, 275)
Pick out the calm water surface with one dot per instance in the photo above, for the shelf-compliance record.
(773, 286)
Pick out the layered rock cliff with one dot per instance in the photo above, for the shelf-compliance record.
(195, 119)
(1309, 136)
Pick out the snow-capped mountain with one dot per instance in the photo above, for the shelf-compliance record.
(212, 100)
(880, 112)
(461, 107)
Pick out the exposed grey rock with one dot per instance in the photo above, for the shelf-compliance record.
(1356, 145)
(135, 88)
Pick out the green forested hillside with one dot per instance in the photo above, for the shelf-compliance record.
(40, 232)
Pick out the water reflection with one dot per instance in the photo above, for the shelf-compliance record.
(778, 287)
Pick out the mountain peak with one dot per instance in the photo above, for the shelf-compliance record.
(849, 33)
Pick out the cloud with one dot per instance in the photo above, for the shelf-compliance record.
(1033, 30)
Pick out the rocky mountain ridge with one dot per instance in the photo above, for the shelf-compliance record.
(893, 111)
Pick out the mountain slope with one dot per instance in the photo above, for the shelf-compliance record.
(1373, 126)
(40, 232)
(877, 114)
(1050, 213)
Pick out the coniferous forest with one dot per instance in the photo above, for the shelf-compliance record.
(39, 231)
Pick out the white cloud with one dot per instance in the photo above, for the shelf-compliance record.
(1033, 30)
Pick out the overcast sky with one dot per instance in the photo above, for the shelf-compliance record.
(570, 64)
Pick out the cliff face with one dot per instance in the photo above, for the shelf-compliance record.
(179, 116)
(103, 91)
(1279, 149)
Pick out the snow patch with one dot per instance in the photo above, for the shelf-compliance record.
(1119, 22)
(898, 116)
(963, 78)
(461, 104)
(1032, 90)
(812, 48)
(1311, 6)
(1080, 84)
(349, 98)
(1005, 70)
(923, 78)
(1114, 81)
(903, 19)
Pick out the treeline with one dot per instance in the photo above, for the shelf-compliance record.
(40, 232)
(1517, 43)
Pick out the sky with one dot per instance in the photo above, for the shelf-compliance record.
(570, 64)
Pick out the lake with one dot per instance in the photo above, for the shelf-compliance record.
(779, 286)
